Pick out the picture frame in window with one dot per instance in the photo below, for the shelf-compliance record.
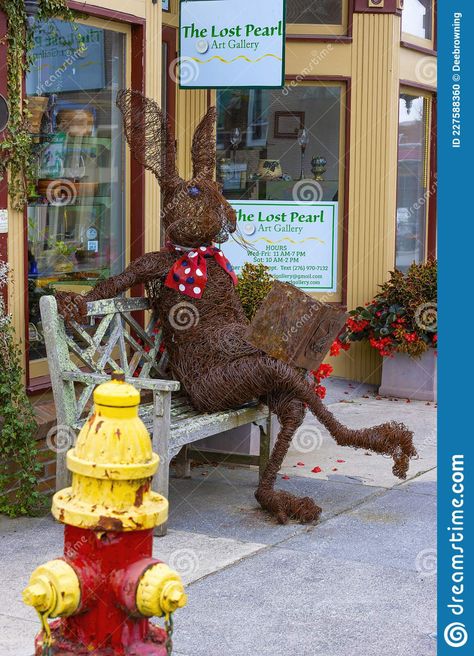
(288, 124)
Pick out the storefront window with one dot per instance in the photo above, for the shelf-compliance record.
(323, 12)
(76, 218)
(413, 195)
(279, 161)
(417, 18)
(267, 141)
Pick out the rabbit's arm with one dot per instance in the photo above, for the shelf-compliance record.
(142, 270)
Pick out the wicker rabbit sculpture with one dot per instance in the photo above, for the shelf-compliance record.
(210, 356)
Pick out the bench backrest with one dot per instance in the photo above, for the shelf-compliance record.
(114, 340)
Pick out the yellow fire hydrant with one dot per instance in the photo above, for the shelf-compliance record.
(107, 585)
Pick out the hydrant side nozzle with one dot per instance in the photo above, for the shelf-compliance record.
(160, 591)
(54, 589)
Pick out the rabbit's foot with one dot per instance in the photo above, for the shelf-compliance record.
(284, 506)
(396, 440)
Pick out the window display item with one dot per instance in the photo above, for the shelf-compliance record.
(206, 336)
(36, 107)
(75, 122)
(270, 169)
(318, 167)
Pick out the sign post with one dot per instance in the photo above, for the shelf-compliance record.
(232, 43)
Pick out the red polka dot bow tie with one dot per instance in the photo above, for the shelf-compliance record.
(188, 275)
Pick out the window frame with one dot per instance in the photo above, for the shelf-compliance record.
(37, 371)
(430, 136)
(323, 31)
(418, 43)
(338, 298)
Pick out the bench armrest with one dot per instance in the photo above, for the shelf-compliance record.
(154, 384)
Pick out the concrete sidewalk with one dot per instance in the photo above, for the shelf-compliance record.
(360, 582)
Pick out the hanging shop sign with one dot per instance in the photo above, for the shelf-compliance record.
(232, 43)
(296, 240)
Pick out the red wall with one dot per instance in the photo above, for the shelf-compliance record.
(3, 91)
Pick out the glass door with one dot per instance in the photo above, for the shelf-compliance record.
(76, 219)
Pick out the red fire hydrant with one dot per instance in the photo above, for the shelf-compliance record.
(107, 585)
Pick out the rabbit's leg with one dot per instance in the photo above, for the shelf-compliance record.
(253, 377)
(281, 504)
(392, 439)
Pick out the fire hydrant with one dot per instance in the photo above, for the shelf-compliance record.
(107, 585)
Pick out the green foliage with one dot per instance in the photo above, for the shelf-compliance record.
(16, 149)
(255, 282)
(403, 315)
(19, 466)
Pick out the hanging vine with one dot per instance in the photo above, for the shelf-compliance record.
(19, 466)
(16, 150)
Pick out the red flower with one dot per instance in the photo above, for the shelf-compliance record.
(336, 347)
(316, 470)
(320, 391)
(323, 371)
(357, 326)
(381, 345)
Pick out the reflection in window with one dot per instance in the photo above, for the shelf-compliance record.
(412, 195)
(267, 142)
(323, 12)
(76, 211)
(417, 18)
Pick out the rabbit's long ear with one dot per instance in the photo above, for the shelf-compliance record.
(149, 136)
(204, 146)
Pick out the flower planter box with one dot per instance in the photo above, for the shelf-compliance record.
(410, 378)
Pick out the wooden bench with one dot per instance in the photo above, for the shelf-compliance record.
(81, 357)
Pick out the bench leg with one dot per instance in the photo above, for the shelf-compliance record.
(183, 464)
(265, 444)
(161, 431)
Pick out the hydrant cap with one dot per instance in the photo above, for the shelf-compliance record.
(117, 394)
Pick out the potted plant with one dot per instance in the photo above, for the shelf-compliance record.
(401, 324)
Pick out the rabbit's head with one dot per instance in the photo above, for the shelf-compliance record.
(195, 212)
